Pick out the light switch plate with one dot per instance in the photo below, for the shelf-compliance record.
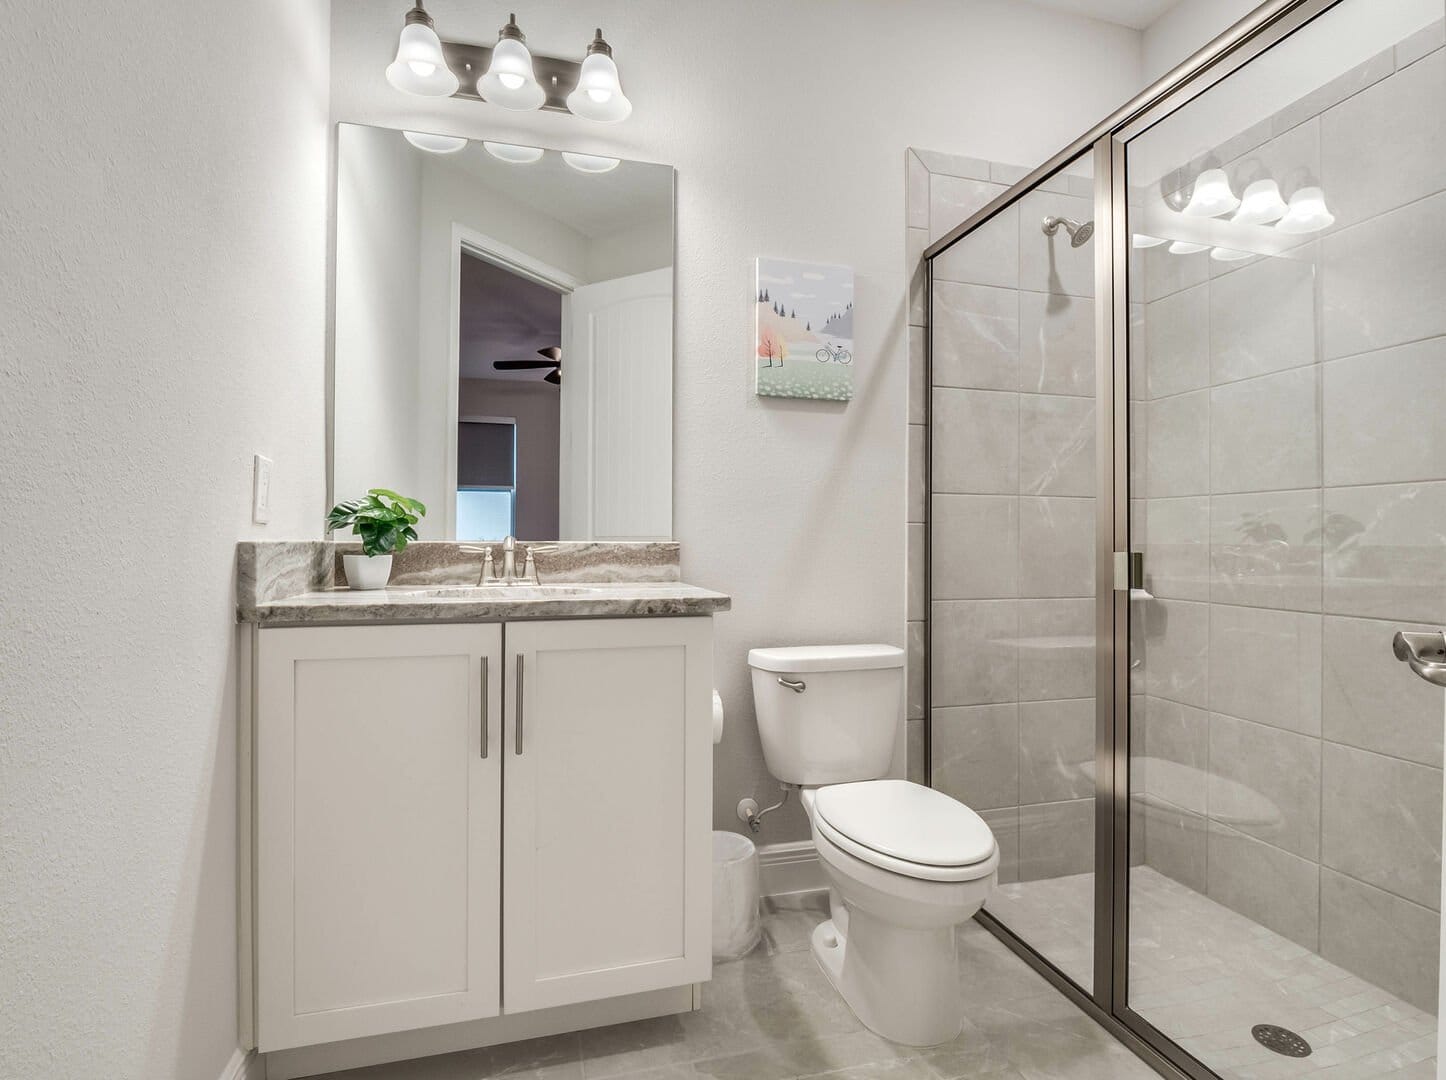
(261, 490)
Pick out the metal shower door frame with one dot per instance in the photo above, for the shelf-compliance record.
(1107, 1002)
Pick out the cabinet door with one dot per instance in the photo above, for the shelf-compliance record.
(378, 830)
(607, 809)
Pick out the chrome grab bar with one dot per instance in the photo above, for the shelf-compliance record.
(797, 687)
(1424, 653)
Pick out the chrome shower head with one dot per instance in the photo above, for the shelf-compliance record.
(1079, 232)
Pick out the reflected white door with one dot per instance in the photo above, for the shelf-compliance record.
(616, 475)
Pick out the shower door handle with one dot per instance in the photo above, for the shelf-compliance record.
(1425, 654)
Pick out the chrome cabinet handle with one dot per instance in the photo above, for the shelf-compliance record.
(797, 687)
(484, 707)
(1425, 654)
(517, 749)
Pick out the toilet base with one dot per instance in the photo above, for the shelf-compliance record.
(902, 984)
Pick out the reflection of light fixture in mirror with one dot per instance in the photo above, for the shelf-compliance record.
(590, 163)
(1183, 247)
(420, 68)
(509, 81)
(599, 95)
(1221, 254)
(1307, 213)
(1212, 195)
(435, 144)
(1140, 240)
(512, 153)
(1260, 205)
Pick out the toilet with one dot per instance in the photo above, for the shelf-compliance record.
(906, 864)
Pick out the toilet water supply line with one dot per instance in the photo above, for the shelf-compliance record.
(750, 815)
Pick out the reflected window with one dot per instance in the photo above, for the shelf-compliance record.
(486, 478)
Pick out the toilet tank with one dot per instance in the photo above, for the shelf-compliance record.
(828, 714)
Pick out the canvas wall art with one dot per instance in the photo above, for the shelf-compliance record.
(804, 330)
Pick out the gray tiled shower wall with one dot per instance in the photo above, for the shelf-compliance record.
(1012, 510)
(1290, 496)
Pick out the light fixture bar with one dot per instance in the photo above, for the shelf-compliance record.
(469, 62)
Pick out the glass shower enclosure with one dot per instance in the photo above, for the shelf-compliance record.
(1187, 479)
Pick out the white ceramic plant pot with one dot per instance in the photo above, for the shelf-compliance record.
(367, 571)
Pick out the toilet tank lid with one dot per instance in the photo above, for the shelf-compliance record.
(826, 658)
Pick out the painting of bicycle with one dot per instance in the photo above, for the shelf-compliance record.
(805, 330)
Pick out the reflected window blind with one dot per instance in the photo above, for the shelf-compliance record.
(486, 454)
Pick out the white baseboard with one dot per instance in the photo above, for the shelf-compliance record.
(791, 867)
(244, 1065)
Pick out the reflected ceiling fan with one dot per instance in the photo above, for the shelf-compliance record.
(552, 358)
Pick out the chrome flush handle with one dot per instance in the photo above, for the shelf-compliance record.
(1425, 654)
(797, 687)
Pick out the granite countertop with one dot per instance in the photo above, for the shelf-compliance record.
(301, 583)
(402, 603)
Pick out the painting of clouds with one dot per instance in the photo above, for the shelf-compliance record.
(805, 325)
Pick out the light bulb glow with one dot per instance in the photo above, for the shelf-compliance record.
(1260, 205)
(1212, 195)
(1184, 247)
(420, 68)
(1306, 213)
(435, 144)
(599, 96)
(512, 153)
(509, 81)
(590, 163)
(1140, 240)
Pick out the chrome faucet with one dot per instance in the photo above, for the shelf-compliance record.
(509, 575)
(509, 560)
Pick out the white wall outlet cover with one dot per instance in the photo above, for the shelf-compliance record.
(261, 490)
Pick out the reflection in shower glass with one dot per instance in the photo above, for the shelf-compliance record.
(1288, 383)
(1012, 543)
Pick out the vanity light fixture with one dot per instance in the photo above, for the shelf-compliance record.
(599, 96)
(512, 153)
(1140, 240)
(420, 68)
(1306, 213)
(590, 163)
(1261, 204)
(1212, 195)
(1221, 254)
(509, 81)
(435, 144)
(1184, 247)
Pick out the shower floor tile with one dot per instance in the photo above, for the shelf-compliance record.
(1205, 975)
(773, 1016)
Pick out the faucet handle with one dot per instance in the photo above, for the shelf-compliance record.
(529, 569)
(489, 573)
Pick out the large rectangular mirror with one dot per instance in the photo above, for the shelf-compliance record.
(504, 336)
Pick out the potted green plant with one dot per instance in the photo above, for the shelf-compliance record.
(385, 522)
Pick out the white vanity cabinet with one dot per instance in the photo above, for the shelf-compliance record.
(469, 820)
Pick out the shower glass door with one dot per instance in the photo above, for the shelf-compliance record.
(1287, 474)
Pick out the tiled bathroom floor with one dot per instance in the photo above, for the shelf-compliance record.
(773, 1016)
(1204, 975)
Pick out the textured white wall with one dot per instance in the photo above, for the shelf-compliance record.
(163, 200)
(787, 124)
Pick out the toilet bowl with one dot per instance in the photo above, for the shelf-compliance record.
(888, 947)
(905, 864)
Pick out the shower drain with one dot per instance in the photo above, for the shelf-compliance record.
(1281, 1040)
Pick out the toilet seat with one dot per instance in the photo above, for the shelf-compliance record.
(905, 828)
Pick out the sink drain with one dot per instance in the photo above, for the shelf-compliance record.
(1281, 1040)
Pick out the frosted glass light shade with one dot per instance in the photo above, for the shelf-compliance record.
(512, 153)
(420, 68)
(509, 81)
(590, 163)
(1182, 247)
(434, 144)
(1221, 254)
(599, 95)
(1306, 213)
(1140, 240)
(1260, 205)
(1212, 195)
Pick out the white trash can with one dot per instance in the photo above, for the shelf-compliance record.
(735, 896)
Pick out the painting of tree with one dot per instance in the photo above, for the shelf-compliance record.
(771, 346)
